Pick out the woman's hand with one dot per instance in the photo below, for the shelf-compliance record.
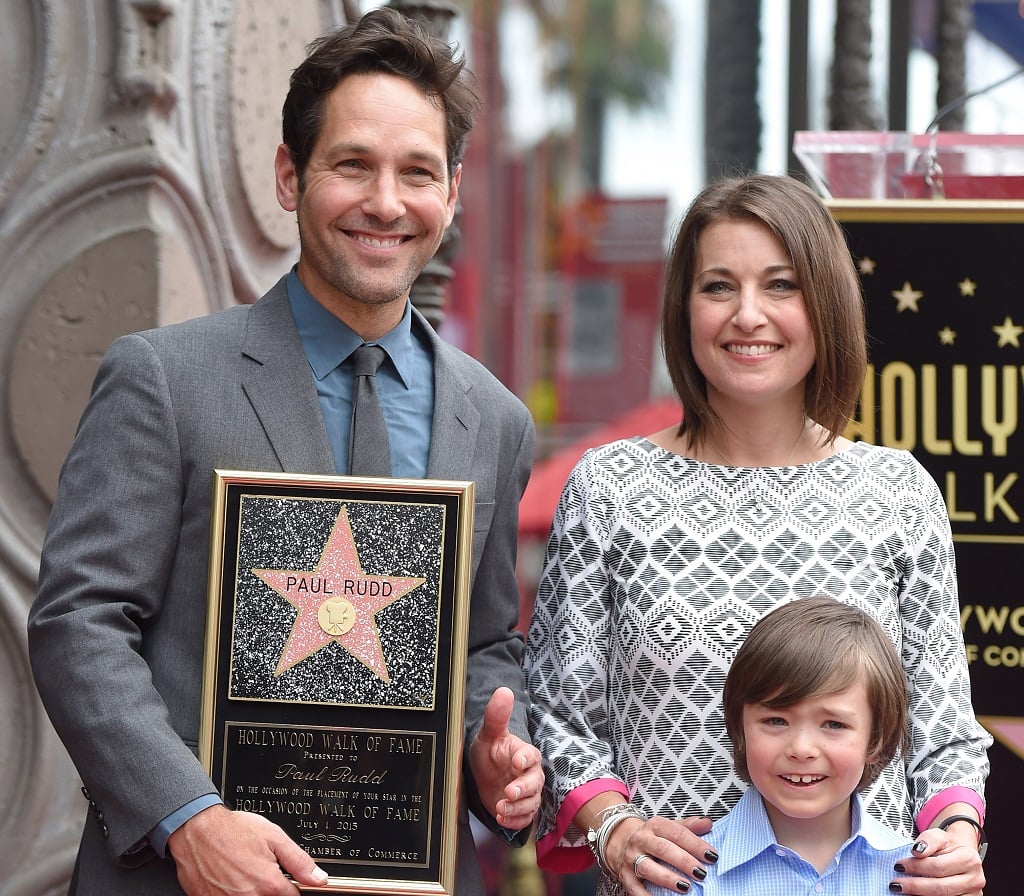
(662, 851)
(943, 863)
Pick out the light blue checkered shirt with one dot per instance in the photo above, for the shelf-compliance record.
(753, 864)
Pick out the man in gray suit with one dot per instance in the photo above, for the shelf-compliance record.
(375, 126)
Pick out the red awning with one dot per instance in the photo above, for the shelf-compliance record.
(549, 475)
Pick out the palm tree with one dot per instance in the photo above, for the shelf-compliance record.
(604, 51)
(732, 116)
(953, 27)
(852, 106)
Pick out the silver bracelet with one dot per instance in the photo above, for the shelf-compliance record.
(597, 839)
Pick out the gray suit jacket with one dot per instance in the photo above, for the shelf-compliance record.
(116, 632)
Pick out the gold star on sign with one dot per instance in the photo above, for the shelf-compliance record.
(336, 602)
(1008, 333)
(967, 286)
(907, 297)
(866, 265)
(947, 336)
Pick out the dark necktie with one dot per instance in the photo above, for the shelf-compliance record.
(369, 449)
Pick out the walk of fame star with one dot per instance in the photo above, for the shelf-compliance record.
(1008, 730)
(337, 602)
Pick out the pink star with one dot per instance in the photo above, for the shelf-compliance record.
(1008, 730)
(336, 602)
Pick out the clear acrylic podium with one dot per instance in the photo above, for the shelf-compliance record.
(899, 165)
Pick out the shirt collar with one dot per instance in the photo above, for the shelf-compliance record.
(328, 340)
(871, 830)
(749, 832)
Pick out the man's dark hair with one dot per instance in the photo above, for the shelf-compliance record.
(384, 41)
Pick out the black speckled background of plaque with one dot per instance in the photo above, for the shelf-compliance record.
(394, 539)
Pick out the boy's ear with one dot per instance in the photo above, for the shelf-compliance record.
(873, 761)
(877, 753)
(739, 757)
(873, 766)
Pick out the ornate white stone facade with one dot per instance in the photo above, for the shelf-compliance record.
(137, 140)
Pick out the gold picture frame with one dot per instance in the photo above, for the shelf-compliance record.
(335, 667)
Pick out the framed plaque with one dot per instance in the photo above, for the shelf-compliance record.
(335, 668)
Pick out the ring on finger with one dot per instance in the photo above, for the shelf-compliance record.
(636, 865)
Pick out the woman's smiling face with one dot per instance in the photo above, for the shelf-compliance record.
(750, 333)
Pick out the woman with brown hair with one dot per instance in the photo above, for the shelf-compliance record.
(666, 550)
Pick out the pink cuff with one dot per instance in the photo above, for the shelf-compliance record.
(943, 800)
(568, 859)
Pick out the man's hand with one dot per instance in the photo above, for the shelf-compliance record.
(506, 768)
(219, 851)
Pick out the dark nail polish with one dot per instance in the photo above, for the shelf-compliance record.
(920, 846)
(895, 887)
(699, 873)
(900, 867)
(711, 856)
(682, 886)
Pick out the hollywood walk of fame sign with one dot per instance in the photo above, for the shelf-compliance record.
(946, 341)
(335, 668)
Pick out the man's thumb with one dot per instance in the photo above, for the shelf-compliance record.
(499, 712)
(294, 860)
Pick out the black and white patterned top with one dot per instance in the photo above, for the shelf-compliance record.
(656, 569)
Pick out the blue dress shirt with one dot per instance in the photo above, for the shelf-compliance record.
(406, 385)
(753, 864)
(159, 836)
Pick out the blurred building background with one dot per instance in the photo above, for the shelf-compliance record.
(136, 188)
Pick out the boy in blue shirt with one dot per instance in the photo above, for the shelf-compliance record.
(815, 706)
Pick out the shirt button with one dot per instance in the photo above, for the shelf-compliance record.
(819, 887)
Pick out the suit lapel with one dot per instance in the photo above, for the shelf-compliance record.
(277, 380)
(456, 423)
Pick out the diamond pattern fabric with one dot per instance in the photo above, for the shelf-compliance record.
(657, 568)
